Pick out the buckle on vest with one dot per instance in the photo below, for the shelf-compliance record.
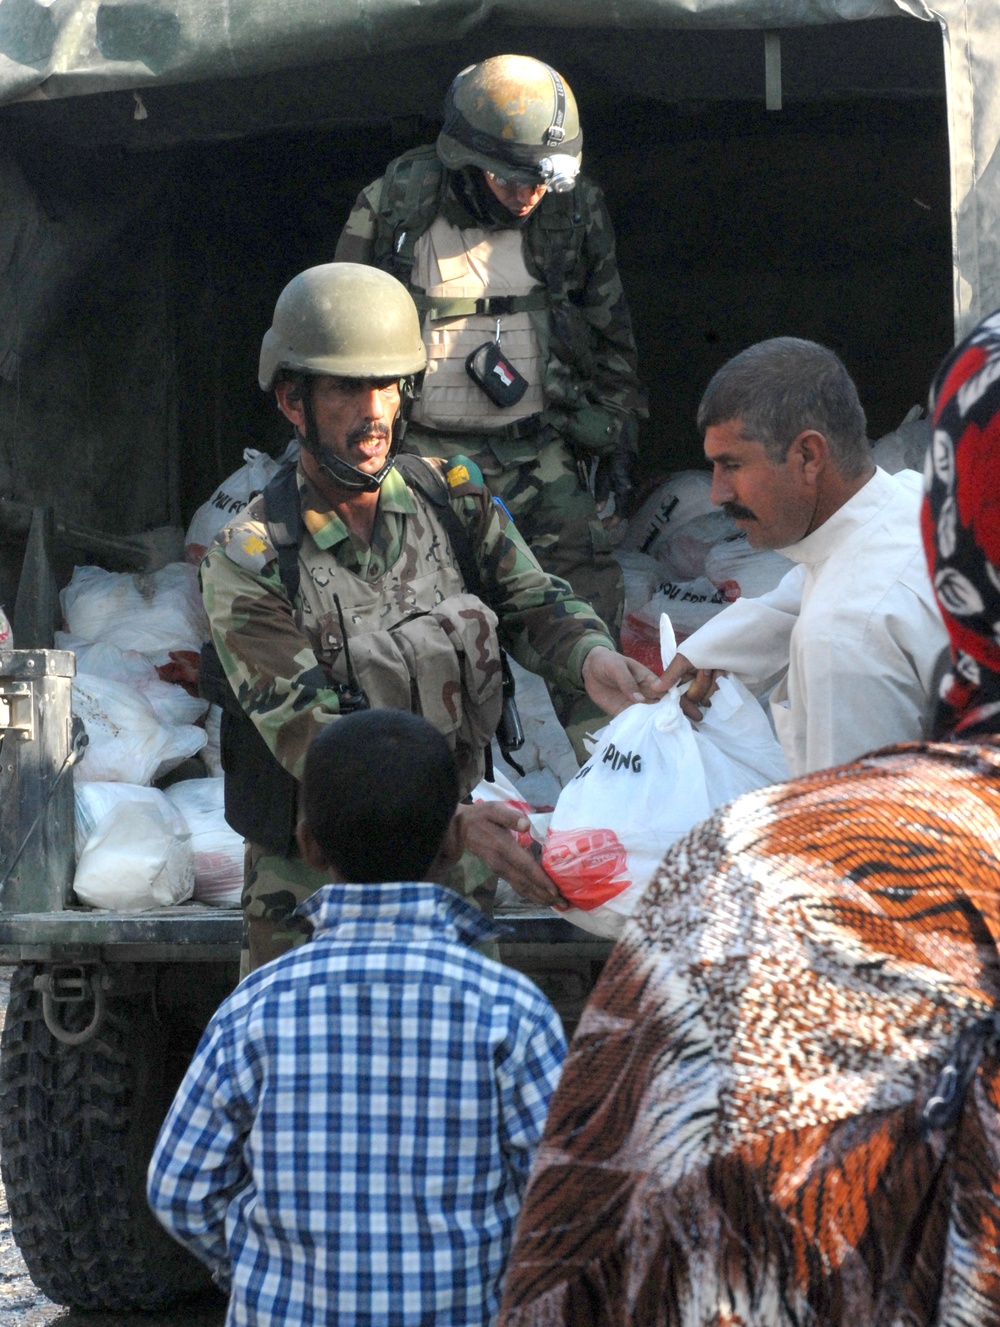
(495, 305)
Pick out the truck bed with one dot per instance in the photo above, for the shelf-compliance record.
(194, 932)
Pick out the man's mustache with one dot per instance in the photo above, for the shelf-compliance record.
(737, 513)
(368, 433)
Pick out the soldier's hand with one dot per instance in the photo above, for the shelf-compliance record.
(614, 682)
(486, 829)
(703, 685)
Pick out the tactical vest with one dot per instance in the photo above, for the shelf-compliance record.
(453, 264)
(416, 641)
(553, 238)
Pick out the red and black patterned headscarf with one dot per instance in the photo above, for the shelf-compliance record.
(961, 528)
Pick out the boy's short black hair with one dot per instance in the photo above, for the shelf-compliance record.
(378, 793)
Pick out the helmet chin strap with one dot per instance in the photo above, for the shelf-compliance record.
(337, 471)
(349, 476)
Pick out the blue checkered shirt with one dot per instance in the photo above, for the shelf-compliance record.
(352, 1139)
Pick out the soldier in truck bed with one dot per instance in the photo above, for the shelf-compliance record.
(510, 257)
(347, 583)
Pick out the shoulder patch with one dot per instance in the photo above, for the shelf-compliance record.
(245, 543)
(461, 471)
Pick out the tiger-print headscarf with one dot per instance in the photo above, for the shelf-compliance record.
(961, 528)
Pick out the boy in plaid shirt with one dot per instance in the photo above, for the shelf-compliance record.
(353, 1137)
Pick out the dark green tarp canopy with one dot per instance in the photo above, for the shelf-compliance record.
(65, 48)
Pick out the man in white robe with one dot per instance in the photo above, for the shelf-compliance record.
(850, 642)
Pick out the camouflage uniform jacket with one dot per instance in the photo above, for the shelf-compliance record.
(280, 658)
(569, 249)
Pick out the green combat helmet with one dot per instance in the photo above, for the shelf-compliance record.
(515, 117)
(345, 320)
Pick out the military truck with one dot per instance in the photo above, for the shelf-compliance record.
(826, 168)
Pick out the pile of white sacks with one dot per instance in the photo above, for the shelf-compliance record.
(138, 846)
(683, 556)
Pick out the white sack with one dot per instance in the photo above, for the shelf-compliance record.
(683, 497)
(170, 702)
(755, 570)
(173, 704)
(652, 777)
(93, 801)
(6, 637)
(139, 857)
(127, 743)
(686, 547)
(642, 574)
(101, 659)
(688, 604)
(232, 495)
(905, 448)
(211, 752)
(217, 849)
(154, 613)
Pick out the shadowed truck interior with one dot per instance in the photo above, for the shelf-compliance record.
(149, 235)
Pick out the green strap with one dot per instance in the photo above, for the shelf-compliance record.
(493, 306)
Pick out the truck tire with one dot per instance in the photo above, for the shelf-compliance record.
(77, 1128)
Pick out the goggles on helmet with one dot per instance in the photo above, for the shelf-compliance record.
(557, 173)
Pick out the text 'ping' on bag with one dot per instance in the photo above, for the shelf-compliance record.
(652, 777)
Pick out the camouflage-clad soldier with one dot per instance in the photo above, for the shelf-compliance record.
(509, 254)
(346, 583)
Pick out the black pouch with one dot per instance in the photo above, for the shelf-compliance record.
(492, 372)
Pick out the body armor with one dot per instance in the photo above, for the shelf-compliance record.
(450, 264)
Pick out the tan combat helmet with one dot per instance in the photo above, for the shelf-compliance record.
(344, 320)
(515, 117)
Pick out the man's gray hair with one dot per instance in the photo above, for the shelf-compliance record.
(779, 388)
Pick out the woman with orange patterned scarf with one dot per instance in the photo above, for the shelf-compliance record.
(782, 1104)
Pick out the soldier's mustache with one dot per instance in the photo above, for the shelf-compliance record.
(368, 433)
(737, 513)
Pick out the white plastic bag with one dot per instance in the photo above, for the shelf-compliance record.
(686, 547)
(211, 752)
(500, 789)
(652, 777)
(217, 849)
(232, 495)
(127, 743)
(683, 497)
(101, 659)
(755, 570)
(154, 613)
(170, 702)
(138, 857)
(641, 573)
(688, 604)
(93, 801)
(6, 637)
(905, 448)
